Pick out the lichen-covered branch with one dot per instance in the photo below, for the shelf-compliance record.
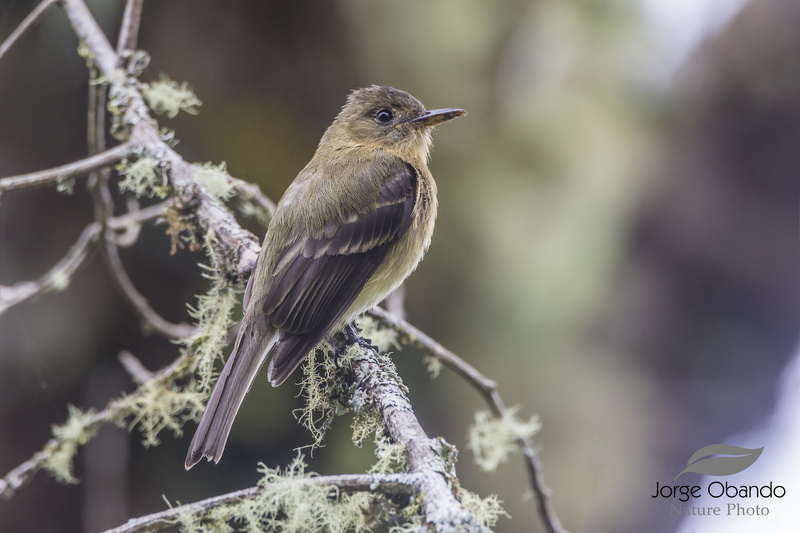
(237, 248)
(63, 445)
(387, 484)
(426, 492)
(488, 388)
(379, 387)
(158, 403)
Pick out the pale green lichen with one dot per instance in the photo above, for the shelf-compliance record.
(166, 96)
(164, 404)
(385, 338)
(75, 432)
(485, 510)
(215, 178)
(123, 112)
(86, 53)
(317, 391)
(136, 61)
(160, 403)
(365, 422)
(252, 209)
(289, 501)
(326, 394)
(213, 315)
(391, 456)
(449, 456)
(65, 185)
(493, 439)
(324, 391)
(433, 365)
(414, 525)
(60, 280)
(143, 176)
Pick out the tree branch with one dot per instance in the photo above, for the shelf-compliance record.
(237, 249)
(77, 168)
(377, 382)
(115, 411)
(488, 389)
(25, 25)
(383, 483)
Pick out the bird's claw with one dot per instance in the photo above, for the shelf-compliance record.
(352, 337)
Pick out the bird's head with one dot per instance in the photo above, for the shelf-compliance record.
(389, 119)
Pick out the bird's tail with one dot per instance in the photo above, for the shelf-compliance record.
(249, 353)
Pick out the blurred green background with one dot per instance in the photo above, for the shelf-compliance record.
(617, 242)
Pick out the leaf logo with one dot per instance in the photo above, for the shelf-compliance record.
(734, 460)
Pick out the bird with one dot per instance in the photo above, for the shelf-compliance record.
(349, 229)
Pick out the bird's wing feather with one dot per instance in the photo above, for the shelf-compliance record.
(316, 279)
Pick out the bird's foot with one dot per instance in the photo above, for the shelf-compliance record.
(352, 337)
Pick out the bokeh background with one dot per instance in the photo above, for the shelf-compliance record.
(617, 242)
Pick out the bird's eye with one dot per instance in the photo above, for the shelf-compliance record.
(384, 116)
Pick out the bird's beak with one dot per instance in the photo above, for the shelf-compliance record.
(437, 116)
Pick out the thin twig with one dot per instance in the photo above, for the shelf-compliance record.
(58, 277)
(129, 32)
(137, 301)
(96, 141)
(130, 235)
(134, 367)
(486, 386)
(135, 218)
(395, 302)
(54, 175)
(251, 191)
(488, 389)
(96, 110)
(25, 25)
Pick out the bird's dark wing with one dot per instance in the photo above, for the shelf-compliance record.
(315, 280)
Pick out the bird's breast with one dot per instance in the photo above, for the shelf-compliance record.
(404, 255)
